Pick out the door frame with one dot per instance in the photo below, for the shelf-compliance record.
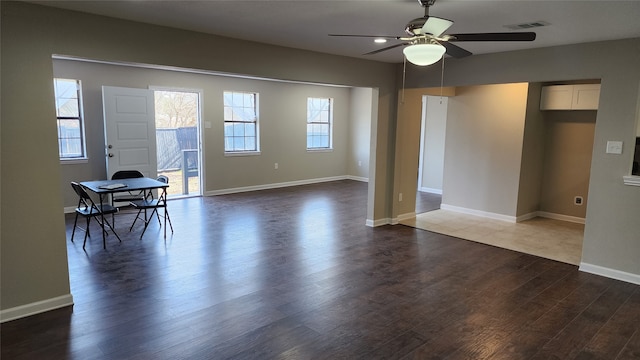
(199, 126)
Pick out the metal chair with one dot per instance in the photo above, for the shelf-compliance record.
(89, 209)
(126, 196)
(155, 204)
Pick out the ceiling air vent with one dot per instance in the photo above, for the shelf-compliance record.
(529, 25)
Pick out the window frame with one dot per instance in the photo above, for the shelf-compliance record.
(329, 123)
(255, 122)
(79, 119)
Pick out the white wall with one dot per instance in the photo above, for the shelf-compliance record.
(483, 148)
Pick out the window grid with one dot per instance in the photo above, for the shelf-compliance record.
(68, 101)
(319, 121)
(240, 122)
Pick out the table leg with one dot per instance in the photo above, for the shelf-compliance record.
(104, 237)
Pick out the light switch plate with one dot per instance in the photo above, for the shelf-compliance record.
(614, 147)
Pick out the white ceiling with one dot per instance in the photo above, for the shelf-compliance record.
(305, 24)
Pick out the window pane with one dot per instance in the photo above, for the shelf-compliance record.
(228, 113)
(238, 143)
(324, 141)
(228, 129)
(228, 144)
(250, 143)
(69, 128)
(70, 148)
(66, 107)
(238, 129)
(250, 129)
(324, 116)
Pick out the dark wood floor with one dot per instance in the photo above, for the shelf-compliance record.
(427, 202)
(295, 274)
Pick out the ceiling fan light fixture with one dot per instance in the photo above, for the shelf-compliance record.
(424, 54)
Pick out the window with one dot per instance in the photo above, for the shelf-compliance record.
(240, 122)
(319, 120)
(71, 141)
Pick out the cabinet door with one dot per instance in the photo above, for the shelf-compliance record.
(556, 97)
(586, 97)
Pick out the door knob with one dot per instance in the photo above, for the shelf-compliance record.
(110, 155)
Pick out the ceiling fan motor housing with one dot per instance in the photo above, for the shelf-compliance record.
(414, 26)
(425, 3)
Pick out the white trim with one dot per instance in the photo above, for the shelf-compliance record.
(72, 209)
(73, 161)
(187, 70)
(610, 273)
(573, 219)
(406, 216)
(36, 308)
(273, 185)
(379, 222)
(631, 180)
(430, 190)
(528, 216)
(357, 178)
(486, 214)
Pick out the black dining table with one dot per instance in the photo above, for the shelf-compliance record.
(103, 188)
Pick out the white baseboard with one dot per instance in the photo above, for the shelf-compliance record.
(274, 185)
(430, 190)
(69, 209)
(554, 216)
(406, 216)
(36, 308)
(486, 214)
(610, 273)
(528, 216)
(379, 222)
(357, 178)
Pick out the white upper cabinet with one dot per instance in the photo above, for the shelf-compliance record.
(570, 97)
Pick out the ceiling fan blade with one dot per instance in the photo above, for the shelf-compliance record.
(455, 51)
(367, 36)
(385, 49)
(519, 36)
(435, 26)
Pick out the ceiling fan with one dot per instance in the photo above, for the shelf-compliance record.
(426, 42)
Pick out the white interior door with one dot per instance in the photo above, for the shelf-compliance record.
(130, 130)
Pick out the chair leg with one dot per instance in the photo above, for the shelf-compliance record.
(146, 223)
(86, 233)
(136, 219)
(75, 223)
(167, 217)
(112, 229)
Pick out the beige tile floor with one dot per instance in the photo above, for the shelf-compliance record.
(548, 238)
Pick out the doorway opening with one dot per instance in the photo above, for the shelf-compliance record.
(177, 114)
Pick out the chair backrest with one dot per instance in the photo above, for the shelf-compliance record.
(126, 174)
(85, 199)
(163, 178)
